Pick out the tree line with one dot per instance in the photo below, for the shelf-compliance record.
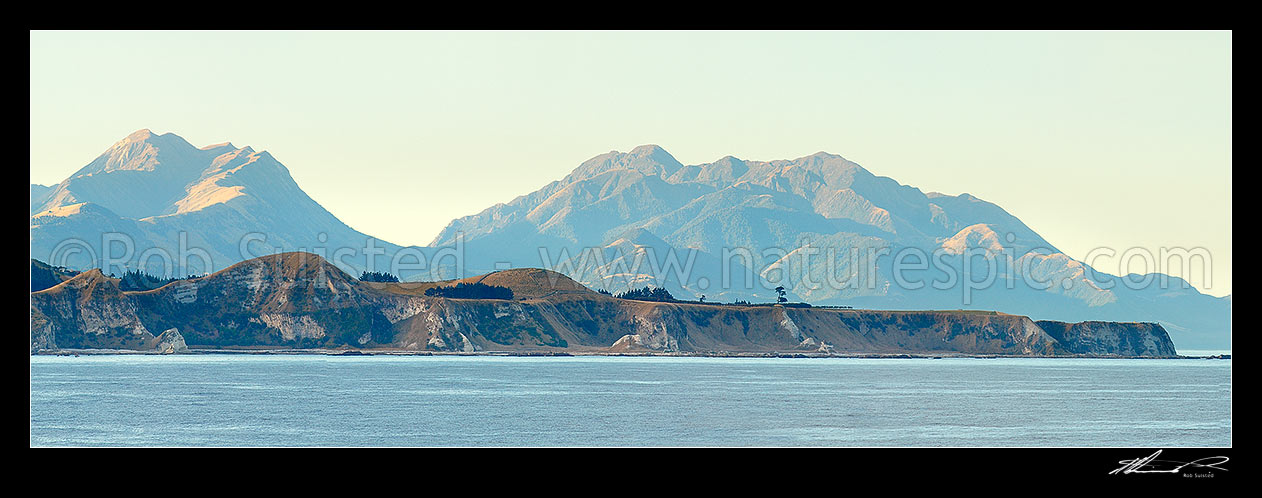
(477, 290)
(377, 276)
(648, 294)
(137, 280)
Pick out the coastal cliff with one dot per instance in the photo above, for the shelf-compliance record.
(1104, 338)
(299, 300)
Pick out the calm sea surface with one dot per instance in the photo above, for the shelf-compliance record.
(239, 400)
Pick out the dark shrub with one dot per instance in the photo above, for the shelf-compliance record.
(647, 294)
(377, 276)
(136, 280)
(464, 290)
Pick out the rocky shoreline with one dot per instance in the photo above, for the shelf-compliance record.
(527, 354)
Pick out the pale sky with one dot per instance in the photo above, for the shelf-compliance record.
(1093, 139)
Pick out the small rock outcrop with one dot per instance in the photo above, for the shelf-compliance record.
(170, 342)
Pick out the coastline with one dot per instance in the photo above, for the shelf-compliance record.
(718, 354)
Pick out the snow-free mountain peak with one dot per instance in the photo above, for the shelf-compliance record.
(649, 160)
(146, 174)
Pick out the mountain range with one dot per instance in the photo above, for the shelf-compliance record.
(824, 229)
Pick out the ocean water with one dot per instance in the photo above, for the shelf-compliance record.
(278, 400)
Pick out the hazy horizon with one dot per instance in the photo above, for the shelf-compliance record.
(1095, 139)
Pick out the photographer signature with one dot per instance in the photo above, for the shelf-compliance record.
(1151, 465)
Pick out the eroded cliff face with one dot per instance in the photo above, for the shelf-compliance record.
(87, 311)
(292, 300)
(594, 323)
(1111, 338)
(300, 301)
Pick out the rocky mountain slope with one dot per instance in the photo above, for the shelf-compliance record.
(299, 300)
